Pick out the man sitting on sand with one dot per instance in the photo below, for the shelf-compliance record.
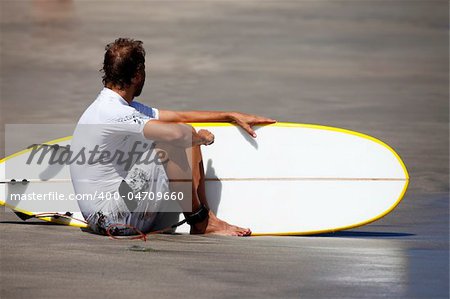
(117, 124)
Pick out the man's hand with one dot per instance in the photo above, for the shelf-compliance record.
(247, 121)
(203, 137)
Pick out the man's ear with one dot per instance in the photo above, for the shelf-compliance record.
(136, 78)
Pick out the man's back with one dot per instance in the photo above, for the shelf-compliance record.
(107, 132)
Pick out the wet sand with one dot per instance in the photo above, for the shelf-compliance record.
(378, 67)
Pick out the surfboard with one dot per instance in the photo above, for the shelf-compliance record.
(293, 179)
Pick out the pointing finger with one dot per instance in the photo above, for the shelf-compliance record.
(265, 121)
(249, 130)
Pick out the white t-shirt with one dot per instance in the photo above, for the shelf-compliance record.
(109, 125)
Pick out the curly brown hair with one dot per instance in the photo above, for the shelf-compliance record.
(124, 58)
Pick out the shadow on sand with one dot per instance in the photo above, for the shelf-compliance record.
(29, 222)
(362, 234)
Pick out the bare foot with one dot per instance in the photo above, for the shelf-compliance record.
(213, 225)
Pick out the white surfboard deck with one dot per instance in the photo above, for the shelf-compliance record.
(293, 179)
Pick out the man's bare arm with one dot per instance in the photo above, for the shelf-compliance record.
(246, 121)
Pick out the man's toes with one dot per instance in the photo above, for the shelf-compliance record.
(247, 232)
(244, 232)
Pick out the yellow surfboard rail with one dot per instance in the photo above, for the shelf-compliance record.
(278, 124)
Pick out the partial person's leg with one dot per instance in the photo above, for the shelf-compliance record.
(187, 163)
(198, 176)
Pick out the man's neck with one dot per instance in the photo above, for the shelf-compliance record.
(125, 93)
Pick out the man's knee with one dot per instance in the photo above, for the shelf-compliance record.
(191, 127)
